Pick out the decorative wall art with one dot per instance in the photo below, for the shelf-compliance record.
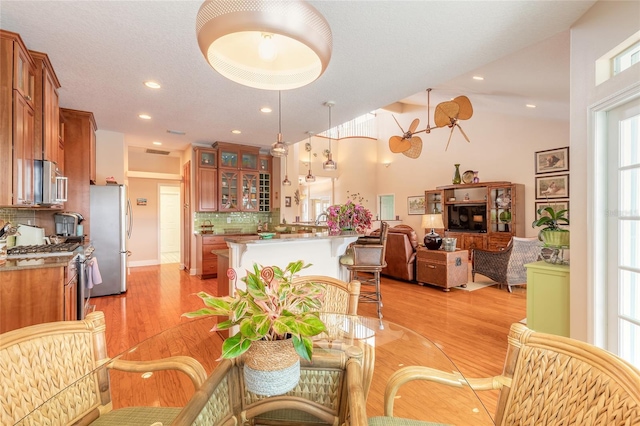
(556, 186)
(141, 201)
(552, 160)
(287, 201)
(556, 205)
(416, 204)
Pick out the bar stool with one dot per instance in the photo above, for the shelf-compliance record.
(369, 257)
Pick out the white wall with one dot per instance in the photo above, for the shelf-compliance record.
(110, 156)
(603, 27)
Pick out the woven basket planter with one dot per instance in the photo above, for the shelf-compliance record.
(271, 367)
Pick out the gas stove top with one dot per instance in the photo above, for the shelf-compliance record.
(41, 250)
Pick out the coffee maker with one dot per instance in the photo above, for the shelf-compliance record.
(67, 224)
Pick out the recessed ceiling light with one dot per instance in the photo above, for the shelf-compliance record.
(530, 106)
(266, 110)
(152, 84)
(157, 143)
(477, 77)
(236, 132)
(145, 116)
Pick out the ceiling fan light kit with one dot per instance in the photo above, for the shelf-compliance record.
(446, 114)
(272, 45)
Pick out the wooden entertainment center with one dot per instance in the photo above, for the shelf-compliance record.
(480, 215)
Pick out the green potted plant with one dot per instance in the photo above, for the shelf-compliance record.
(270, 313)
(551, 220)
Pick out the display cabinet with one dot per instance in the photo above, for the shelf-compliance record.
(206, 180)
(480, 215)
(249, 159)
(249, 191)
(228, 189)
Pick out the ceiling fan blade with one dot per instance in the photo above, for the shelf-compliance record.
(463, 133)
(445, 112)
(394, 117)
(416, 148)
(414, 125)
(450, 134)
(466, 110)
(398, 144)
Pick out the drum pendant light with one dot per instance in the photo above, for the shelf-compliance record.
(279, 148)
(272, 45)
(329, 164)
(309, 177)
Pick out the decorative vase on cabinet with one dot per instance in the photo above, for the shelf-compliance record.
(456, 175)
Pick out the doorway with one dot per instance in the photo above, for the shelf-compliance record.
(169, 225)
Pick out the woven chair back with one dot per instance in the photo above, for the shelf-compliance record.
(556, 380)
(340, 297)
(42, 361)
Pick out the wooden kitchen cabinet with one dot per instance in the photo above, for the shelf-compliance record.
(80, 161)
(206, 180)
(206, 261)
(47, 111)
(442, 268)
(31, 296)
(249, 191)
(16, 122)
(228, 190)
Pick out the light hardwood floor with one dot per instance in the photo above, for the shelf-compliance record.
(470, 327)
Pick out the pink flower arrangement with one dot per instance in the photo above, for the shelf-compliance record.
(349, 216)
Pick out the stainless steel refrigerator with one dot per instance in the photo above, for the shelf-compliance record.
(111, 222)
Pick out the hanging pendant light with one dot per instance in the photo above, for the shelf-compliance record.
(309, 177)
(279, 148)
(329, 164)
(286, 181)
(272, 45)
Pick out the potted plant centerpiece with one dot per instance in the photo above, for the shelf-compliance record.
(275, 322)
(551, 220)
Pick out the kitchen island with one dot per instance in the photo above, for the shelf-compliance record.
(321, 250)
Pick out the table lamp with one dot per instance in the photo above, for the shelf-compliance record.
(432, 240)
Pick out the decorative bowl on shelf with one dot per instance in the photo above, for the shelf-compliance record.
(505, 216)
(266, 235)
(280, 228)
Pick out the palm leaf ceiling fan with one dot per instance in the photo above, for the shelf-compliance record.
(446, 114)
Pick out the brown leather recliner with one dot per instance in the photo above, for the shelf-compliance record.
(402, 243)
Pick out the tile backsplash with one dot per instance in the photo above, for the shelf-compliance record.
(15, 216)
(240, 222)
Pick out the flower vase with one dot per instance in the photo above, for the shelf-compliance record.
(476, 179)
(456, 175)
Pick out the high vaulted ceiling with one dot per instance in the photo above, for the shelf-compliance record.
(383, 52)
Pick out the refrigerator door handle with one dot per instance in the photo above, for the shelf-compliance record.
(130, 213)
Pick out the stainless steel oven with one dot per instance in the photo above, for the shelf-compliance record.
(84, 293)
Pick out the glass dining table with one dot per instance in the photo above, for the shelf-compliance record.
(387, 347)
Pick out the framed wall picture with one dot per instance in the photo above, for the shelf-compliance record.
(552, 160)
(287, 201)
(556, 205)
(556, 186)
(416, 204)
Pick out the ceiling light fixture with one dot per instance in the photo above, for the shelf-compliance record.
(152, 84)
(157, 143)
(279, 148)
(273, 45)
(236, 132)
(309, 177)
(477, 77)
(530, 105)
(266, 110)
(286, 181)
(145, 116)
(329, 164)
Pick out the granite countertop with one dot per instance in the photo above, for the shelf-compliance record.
(280, 238)
(35, 263)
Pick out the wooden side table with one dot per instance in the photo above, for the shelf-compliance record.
(444, 269)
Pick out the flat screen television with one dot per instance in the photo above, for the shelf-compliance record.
(467, 218)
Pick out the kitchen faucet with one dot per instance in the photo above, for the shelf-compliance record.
(326, 216)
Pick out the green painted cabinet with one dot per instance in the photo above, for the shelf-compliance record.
(548, 298)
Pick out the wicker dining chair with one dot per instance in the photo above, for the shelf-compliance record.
(339, 296)
(57, 373)
(329, 393)
(547, 380)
